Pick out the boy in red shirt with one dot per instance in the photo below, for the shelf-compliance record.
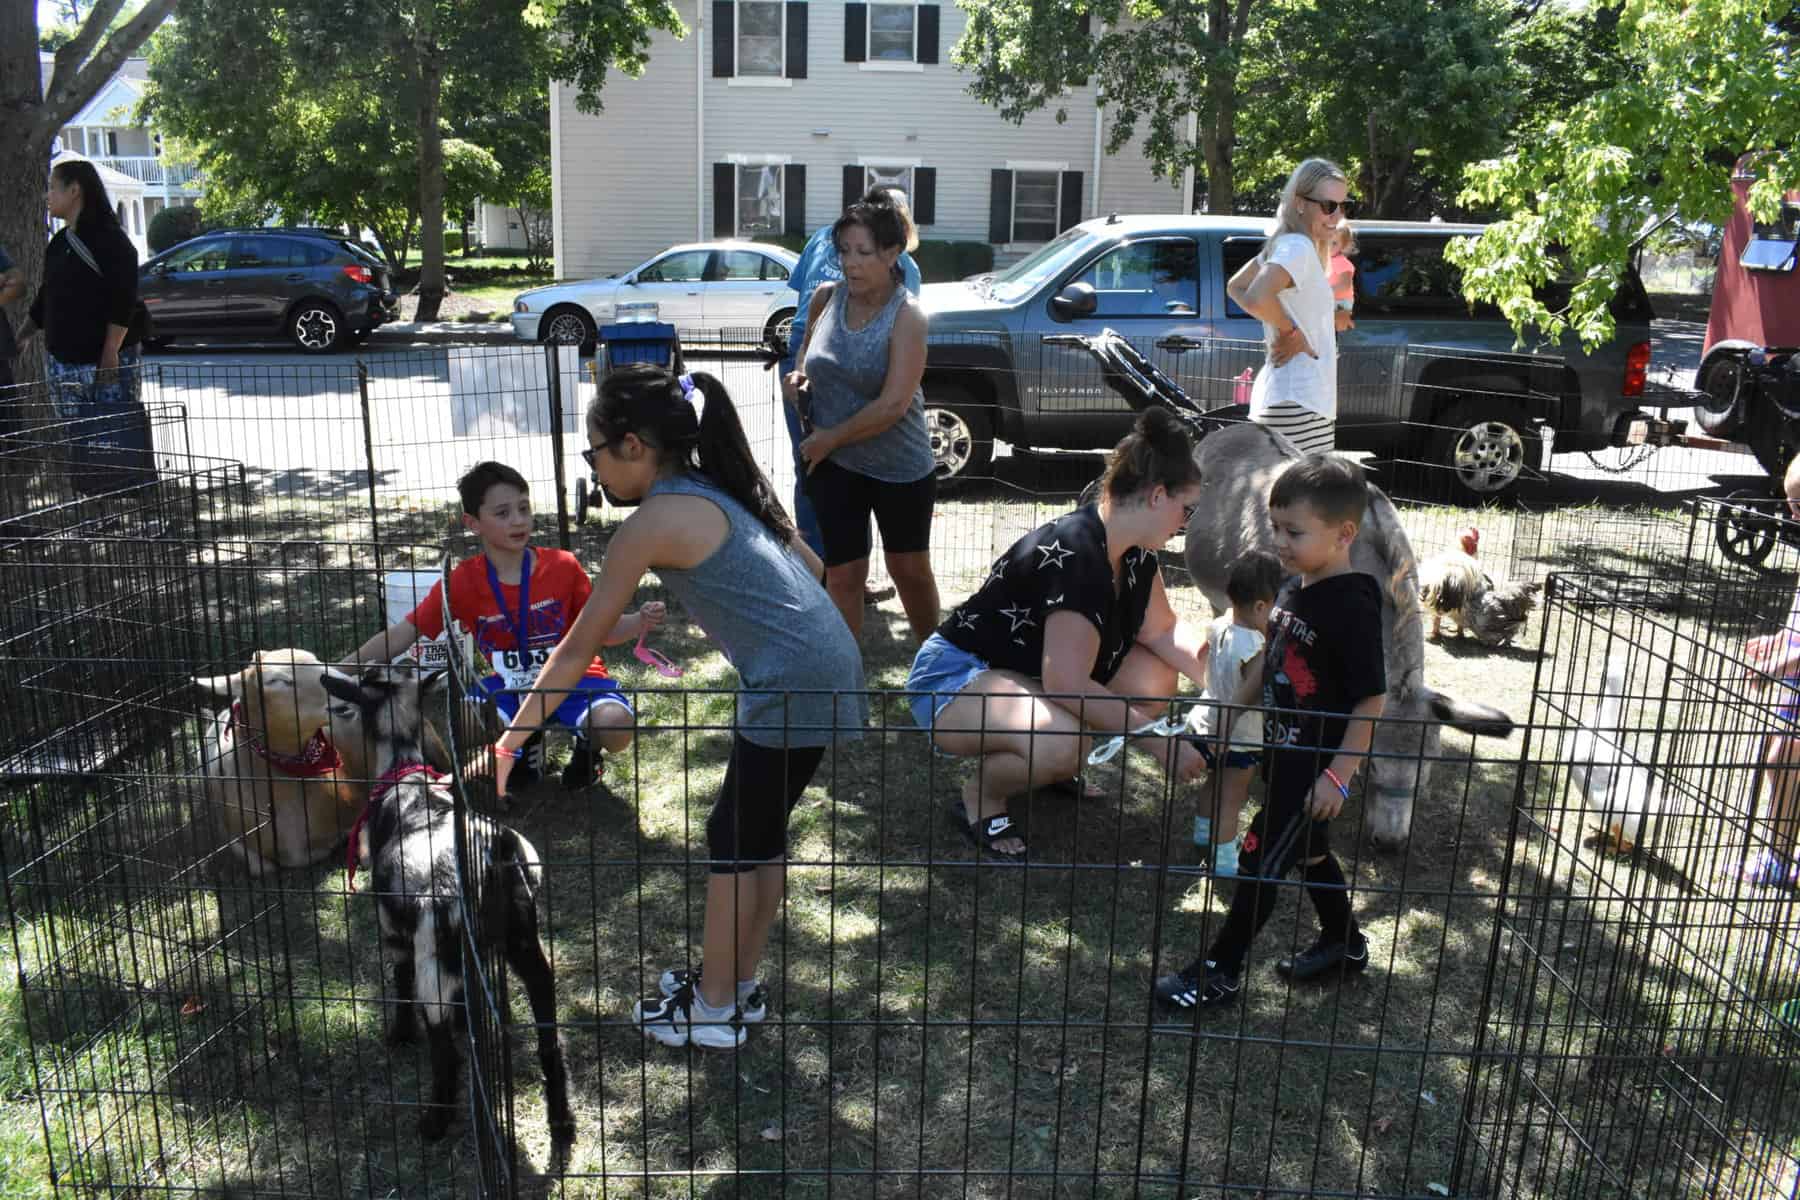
(513, 586)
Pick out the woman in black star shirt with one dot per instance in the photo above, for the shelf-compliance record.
(1072, 617)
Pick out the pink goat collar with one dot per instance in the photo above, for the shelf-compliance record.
(390, 779)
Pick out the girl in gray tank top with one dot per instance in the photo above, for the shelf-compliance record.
(714, 533)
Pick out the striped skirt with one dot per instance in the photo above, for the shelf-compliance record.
(1312, 433)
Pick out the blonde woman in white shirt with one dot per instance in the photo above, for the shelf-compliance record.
(1287, 288)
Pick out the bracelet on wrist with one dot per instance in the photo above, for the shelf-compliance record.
(503, 752)
(1342, 787)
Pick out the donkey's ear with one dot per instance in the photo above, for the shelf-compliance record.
(1468, 716)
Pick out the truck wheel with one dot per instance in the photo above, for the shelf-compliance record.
(961, 432)
(1725, 386)
(1746, 534)
(1484, 447)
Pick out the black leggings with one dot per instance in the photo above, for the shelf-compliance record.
(747, 827)
(842, 500)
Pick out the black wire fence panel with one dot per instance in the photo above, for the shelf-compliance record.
(1639, 1038)
(192, 1028)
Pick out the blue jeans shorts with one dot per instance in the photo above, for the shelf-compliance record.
(1789, 695)
(572, 712)
(940, 670)
(1234, 759)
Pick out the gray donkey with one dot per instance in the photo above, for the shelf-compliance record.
(407, 834)
(1238, 465)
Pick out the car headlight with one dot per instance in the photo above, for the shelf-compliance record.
(521, 306)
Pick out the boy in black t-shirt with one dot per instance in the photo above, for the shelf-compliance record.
(1323, 682)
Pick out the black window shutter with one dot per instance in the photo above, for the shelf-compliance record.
(724, 199)
(1087, 35)
(928, 33)
(1071, 200)
(924, 197)
(796, 39)
(999, 207)
(793, 199)
(853, 183)
(856, 32)
(724, 39)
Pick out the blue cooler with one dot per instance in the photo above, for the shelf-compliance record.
(640, 342)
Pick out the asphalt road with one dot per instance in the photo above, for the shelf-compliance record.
(296, 421)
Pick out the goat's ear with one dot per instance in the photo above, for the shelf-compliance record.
(1468, 716)
(434, 681)
(225, 687)
(341, 687)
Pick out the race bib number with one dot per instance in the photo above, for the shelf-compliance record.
(520, 668)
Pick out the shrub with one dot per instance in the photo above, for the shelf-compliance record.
(172, 226)
(946, 262)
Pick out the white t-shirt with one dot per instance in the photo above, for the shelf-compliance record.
(1304, 380)
(1231, 647)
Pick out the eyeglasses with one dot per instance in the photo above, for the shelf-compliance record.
(651, 658)
(1187, 512)
(1330, 206)
(588, 456)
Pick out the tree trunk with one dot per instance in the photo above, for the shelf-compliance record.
(468, 251)
(1218, 131)
(431, 163)
(22, 227)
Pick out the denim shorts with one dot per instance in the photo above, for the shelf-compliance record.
(1234, 758)
(1789, 695)
(940, 670)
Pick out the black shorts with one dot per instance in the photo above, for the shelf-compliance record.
(1281, 835)
(843, 500)
(747, 827)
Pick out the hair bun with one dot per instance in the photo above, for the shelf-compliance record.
(1166, 436)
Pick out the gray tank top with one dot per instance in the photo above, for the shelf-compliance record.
(846, 369)
(773, 621)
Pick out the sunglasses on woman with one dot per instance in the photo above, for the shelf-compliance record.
(1329, 207)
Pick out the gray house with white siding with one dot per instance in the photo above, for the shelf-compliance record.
(771, 113)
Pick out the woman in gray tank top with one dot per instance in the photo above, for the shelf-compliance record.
(858, 393)
(714, 533)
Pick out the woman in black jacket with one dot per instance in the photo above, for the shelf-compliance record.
(87, 308)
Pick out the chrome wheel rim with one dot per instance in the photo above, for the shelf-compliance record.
(952, 441)
(316, 329)
(566, 329)
(1488, 456)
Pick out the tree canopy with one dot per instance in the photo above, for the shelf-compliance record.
(375, 114)
(1697, 83)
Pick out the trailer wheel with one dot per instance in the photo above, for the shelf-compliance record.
(1744, 533)
(1725, 386)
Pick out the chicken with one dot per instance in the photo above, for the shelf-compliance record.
(1453, 585)
(1618, 788)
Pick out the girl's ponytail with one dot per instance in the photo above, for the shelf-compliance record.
(723, 453)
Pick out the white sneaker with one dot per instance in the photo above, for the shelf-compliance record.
(752, 996)
(670, 1020)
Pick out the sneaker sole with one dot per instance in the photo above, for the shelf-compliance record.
(665, 1033)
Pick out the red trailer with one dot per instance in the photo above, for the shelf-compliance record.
(1755, 305)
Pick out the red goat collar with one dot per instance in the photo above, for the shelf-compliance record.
(316, 759)
(390, 778)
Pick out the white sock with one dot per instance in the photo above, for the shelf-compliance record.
(704, 1012)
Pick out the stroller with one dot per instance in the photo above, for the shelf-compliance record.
(1765, 386)
(1141, 384)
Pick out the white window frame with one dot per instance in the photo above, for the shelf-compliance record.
(1034, 168)
(877, 163)
(759, 161)
(870, 62)
(779, 79)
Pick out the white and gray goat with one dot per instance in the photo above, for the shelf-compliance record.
(1238, 466)
(408, 840)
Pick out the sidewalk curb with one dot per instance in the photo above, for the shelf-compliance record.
(446, 332)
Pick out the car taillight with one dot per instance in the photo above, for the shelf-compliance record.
(364, 275)
(1637, 365)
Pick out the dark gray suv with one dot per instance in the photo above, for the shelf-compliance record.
(317, 288)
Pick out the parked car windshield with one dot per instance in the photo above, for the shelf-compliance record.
(1024, 276)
